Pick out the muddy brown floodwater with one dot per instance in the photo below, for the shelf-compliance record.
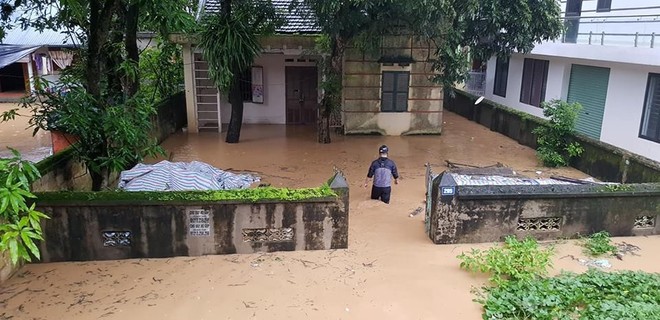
(16, 134)
(390, 271)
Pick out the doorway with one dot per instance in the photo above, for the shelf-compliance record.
(301, 95)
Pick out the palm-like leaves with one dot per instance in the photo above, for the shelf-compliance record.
(230, 45)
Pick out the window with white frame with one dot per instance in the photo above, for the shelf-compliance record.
(650, 128)
(395, 91)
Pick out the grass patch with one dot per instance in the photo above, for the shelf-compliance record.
(247, 195)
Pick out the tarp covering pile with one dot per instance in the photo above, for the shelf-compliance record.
(182, 176)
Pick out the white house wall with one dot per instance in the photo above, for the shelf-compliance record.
(556, 88)
(273, 110)
(623, 111)
(623, 108)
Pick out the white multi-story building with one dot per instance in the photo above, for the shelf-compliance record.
(608, 60)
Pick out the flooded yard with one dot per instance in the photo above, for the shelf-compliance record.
(390, 271)
(16, 134)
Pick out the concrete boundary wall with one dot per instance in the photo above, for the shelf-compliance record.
(475, 214)
(123, 229)
(600, 160)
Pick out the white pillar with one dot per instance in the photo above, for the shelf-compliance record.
(189, 80)
(30, 73)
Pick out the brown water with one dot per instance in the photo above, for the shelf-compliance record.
(390, 271)
(16, 134)
(290, 155)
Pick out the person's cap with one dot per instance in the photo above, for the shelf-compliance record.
(383, 149)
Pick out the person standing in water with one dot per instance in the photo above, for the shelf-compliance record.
(382, 170)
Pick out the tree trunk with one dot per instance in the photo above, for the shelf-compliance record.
(100, 18)
(236, 120)
(132, 52)
(100, 180)
(332, 100)
(324, 128)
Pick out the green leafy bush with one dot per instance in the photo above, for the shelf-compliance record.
(555, 147)
(599, 244)
(20, 224)
(593, 295)
(514, 260)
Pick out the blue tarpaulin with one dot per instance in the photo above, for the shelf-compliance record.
(11, 53)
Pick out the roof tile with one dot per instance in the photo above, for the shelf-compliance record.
(296, 22)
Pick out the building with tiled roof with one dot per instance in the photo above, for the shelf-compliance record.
(381, 95)
(298, 20)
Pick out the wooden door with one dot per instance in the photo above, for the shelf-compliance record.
(301, 95)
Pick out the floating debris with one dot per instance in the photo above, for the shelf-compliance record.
(597, 263)
(416, 212)
(624, 248)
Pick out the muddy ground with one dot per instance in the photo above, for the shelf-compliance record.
(390, 271)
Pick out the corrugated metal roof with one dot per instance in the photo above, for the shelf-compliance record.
(10, 53)
(299, 20)
(32, 37)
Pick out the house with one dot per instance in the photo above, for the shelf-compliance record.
(608, 60)
(46, 53)
(18, 66)
(388, 94)
(51, 54)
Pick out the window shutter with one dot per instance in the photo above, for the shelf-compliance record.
(573, 7)
(387, 104)
(402, 82)
(388, 81)
(651, 121)
(604, 6)
(394, 91)
(401, 102)
(528, 75)
(539, 82)
(501, 77)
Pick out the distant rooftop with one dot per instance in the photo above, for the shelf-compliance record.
(296, 22)
(32, 37)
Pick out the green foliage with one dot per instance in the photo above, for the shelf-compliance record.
(593, 295)
(99, 99)
(246, 195)
(20, 224)
(161, 71)
(449, 27)
(555, 147)
(230, 42)
(112, 137)
(599, 244)
(515, 260)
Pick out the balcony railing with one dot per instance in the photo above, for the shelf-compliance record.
(624, 30)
